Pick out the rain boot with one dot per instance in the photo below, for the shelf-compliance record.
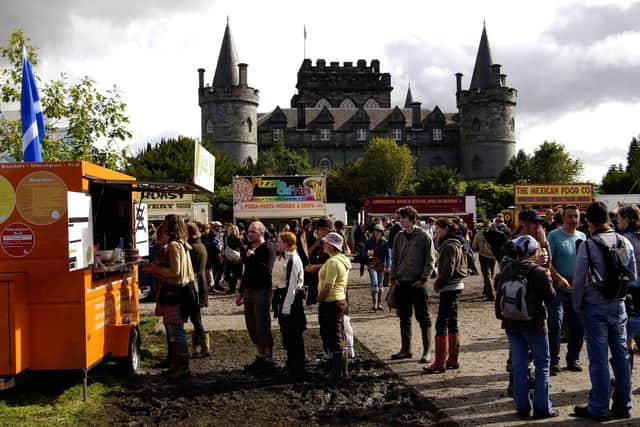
(379, 300)
(427, 336)
(374, 303)
(173, 362)
(196, 341)
(405, 336)
(337, 364)
(182, 362)
(205, 345)
(442, 350)
(454, 351)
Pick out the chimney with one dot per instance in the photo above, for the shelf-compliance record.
(375, 64)
(302, 118)
(458, 82)
(242, 75)
(416, 115)
(495, 75)
(200, 78)
(503, 80)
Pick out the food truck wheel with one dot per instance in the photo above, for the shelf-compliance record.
(130, 364)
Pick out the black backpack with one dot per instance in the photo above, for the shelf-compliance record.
(616, 277)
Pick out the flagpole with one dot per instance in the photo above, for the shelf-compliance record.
(304, 49)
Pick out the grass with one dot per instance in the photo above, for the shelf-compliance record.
(55, 397)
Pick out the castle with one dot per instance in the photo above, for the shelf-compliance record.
(338, 109)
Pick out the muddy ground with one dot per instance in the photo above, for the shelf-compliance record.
(220, 393)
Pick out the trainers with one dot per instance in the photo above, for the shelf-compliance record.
(583, 412)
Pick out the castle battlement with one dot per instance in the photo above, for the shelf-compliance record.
(347, 66)
(497, 94)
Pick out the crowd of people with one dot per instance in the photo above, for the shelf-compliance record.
(565, 274)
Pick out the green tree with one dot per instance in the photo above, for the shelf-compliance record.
(386, 166)
(82, 122)
(633, 158)
(345, 184)
(552, 164)
(490, 198)
(440, 180)
(281, 160)
(617, 180)
(516, 170)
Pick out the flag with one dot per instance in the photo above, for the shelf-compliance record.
(304, 27)
(30, 114)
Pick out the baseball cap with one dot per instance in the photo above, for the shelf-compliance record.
(334, 239)
(378, 227)
(525, 246)
(528, 215)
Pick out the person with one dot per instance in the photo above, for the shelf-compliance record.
(232, 269)
(289, 307)
(176, 272)
(528, 334)
(214, 257)
(377, 258)
(198, 254)
(563, 243)
(487, 262)
(412, 264)
(604, 317)
(317, 257)
(549, 223)
(452, 269)
(255, 294)
(339, 228)
(332, 296)
(394, 230)
(301, 241)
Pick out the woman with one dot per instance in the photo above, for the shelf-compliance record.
(176, 272)
(332, 295)
(377, 258)
(288, 305)
(232, 269)
(452, 268)
(198, 253)
(528, 334)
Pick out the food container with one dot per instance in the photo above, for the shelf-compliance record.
(105, 256)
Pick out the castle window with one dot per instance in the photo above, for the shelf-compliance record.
(277, 134)
(249, 124)
(325, 134)
(436, 134)
(209, 126)
(475, 125)
(347, 103)
(409, 136)
(371, 103)
(397, 134)
(325, 164)
(361, 135)
(512, 123)
(323, 103)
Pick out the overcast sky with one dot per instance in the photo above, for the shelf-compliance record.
(575, 64)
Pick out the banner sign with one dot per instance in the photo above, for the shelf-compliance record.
(279, 196)
(425, 205)
(553, 194)
(204, 168)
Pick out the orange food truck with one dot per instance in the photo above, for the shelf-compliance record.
(61, 306)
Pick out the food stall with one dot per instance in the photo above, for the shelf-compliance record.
(68, 268)
(435, 206)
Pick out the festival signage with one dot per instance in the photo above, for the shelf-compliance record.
(204, 168)
(279, 196)
(425, 205)
(553, 194)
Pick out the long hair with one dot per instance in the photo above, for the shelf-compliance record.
(289, 239)
(176, 228)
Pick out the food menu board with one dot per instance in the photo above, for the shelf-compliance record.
(80, 230)
(7, 199)
(41, 198)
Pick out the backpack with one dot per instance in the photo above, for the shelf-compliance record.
(497, 239)
(513, 303)
(616, 277)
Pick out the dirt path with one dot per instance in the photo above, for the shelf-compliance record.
(475, 394)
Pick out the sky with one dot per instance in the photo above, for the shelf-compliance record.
(575, 64)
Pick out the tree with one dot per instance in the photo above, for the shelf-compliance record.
(280, 160)
(633, 158)
(386, 166)
(82, 122)
(616, 181)
(516, 170)
(345, 184)
(440, 180)
(490, 198)
(551, 164)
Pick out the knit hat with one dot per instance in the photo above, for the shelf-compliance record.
(334, 239)
(525, 246)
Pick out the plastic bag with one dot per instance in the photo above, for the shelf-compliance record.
(348, 331)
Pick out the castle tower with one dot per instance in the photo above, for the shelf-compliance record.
(229, 107)
(487, 118)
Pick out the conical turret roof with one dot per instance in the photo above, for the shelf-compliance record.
(227, 67)
(482, 70)
(409, 99)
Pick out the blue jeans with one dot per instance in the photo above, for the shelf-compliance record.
(408, 299)
(177, 333)
(562, 308)
(377, 279)
(606, 328)
(519, 343)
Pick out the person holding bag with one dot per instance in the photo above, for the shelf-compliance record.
(176, 274)
(233, 263)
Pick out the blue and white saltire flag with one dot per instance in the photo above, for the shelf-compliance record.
(31, 114)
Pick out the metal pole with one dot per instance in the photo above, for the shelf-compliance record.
(85, 390)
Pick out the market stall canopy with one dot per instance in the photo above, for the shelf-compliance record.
(155, 187)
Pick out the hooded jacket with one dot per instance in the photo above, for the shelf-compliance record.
(452, 264)
(336, 273)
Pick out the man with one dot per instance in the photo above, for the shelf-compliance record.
(255, 294)
(487, 261)
(317, 257)
(549, 223)
(604, 317)
(215, 263)
(563, 243)
(412, 264)
(393, 231)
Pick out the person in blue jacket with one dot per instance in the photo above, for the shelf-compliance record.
(377, 258)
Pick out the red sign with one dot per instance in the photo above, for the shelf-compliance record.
(17, 240)
(425, 205)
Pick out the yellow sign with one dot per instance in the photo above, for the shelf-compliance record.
(553, 194)
(7, 199)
